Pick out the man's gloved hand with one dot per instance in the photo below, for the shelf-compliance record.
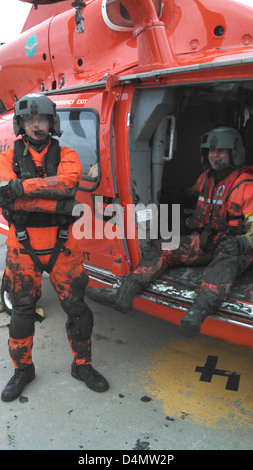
(10, 190)
(236, 245)
(66, 206)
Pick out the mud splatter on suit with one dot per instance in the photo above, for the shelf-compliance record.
(221, 238)
(37, 195)
(38, 207)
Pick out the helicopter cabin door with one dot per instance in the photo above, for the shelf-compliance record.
(87, 124)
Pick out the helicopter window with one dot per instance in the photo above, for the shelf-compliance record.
(80, 133)
(116, 16)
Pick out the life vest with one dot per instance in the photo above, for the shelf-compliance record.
(25, 168)
(211, 212)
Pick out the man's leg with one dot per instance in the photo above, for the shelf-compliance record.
(148, 270)
(23, 285)
(217, 281)
(69, 280)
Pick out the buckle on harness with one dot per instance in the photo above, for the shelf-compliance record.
(21, 235)
(63, 233)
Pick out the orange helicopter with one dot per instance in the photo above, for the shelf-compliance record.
(136, 84)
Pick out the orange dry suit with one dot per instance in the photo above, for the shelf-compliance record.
(224, 211)
(40, 238)
(223, 206)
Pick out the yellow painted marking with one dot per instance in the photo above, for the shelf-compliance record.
(171, 377)
(40, 312)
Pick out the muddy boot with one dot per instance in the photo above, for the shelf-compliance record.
(17, 383)
(103, 296)
(93, 379)
(120, 298)
(191, 323)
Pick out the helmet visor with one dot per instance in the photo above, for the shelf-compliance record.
(30, 119)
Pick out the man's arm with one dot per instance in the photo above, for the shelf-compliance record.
(249, 229)
(50, 206)
(242, 198)
(63, 185)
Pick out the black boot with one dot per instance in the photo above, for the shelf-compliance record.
(120, 298)
(191, 323)
(103, 296)
(90, 376)
(17, 383)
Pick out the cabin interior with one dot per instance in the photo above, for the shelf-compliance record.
(166, 125)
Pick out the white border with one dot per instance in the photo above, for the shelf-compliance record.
(109, 23)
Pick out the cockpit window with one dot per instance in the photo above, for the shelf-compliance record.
(80, 133)
(116, 15)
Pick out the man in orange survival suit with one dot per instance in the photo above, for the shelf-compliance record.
(221, 238)
(39, 180)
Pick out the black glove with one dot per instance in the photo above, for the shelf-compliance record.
(66, 206)
(236, 245)
(10, 190)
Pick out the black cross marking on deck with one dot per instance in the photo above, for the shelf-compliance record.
(209, 369)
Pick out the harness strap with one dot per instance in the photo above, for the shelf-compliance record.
(25, 167)
(62, 237)
(246, 180)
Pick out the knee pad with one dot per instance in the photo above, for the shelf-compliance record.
(80, 319)
(78, 285)
(22, 320)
